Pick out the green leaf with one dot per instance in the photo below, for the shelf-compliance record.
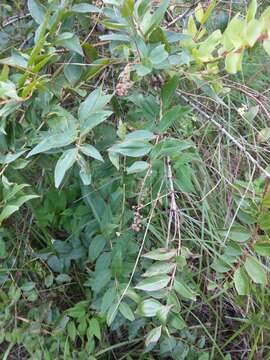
(131, 148)
(63, 278)
(85, 8)
(65, 162)
(170, 147)
(168, 91)
(76, 312)
(141, 135)
(126, 311)
(153, 283)
(153, 336)
(161, 254)
(94, 102)
(9, 158)
(95, 328)
(14, 206)
(177, 322)
(208, 11)
(91, 151)
(233, 62)
(111, 314)
(158, 269)
(28, 286)
(252, 9)
(266, 200)
(264, 221)
(199, 13)
(96, 247)
(85, 171)
(175, 113)
(262, 247)
(3, 252)
(94, 120)
(241, 281)
(149, 308)
(158, 55)
(73, 73)
(137, 166)
(239, 233)
(8, 90)
(70, 41)
(54, 141)
(37, 11)
(155, 19)
(127, 8)
(191, 26)
(71, 330)
(184, 290)
(255, 270)
(114, 159)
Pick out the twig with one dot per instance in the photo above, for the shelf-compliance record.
(181, 16)
(226, 133)
(14, 19)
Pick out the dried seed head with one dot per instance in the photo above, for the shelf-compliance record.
(124, 83)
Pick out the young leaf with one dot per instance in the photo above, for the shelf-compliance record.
(127, 8)
(126, 311)
(255, 270)
(253, 31)
(153, 283)
(199, 13)
(191, 27)
(241, 281)
(90, 150)
(252, 9)
(153, 336)
(233, 62)
(184, 290)
(65, 162)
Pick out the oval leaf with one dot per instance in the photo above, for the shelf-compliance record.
(255, 270)
(154, 283)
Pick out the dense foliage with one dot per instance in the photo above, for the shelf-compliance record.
(134, 201)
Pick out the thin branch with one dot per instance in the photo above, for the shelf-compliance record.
(226, 133)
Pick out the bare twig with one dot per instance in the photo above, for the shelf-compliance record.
(226, 133)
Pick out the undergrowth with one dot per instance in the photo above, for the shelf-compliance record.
(134, 201)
